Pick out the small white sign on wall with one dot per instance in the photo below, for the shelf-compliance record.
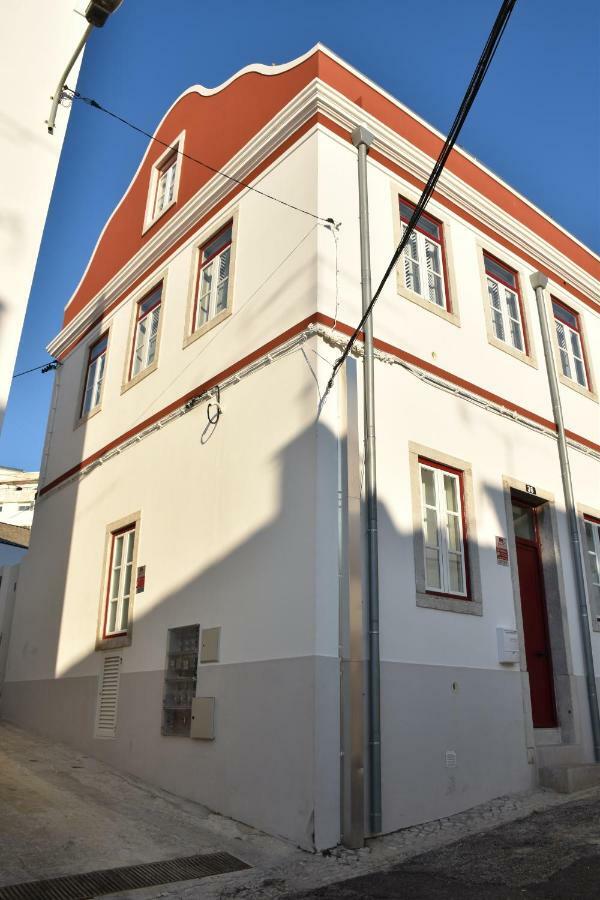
(501, 551)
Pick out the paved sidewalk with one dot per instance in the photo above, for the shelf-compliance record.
(62, 812)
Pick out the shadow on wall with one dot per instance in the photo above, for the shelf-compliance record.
(275, 699)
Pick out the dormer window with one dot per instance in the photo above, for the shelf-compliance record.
(165, 186)
(164, 182)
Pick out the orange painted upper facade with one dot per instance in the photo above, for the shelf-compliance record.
(218, 124)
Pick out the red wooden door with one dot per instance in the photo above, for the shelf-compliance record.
(535, 627)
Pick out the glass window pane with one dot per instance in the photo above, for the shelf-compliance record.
(451, 491)
(589, 536)
(124, 615)
(150, 301)
(428, 482)
(429, 227)
(217, 244)
(115, 582)
(127, 580)
(112, 617)
(454, 541)
(523, 520)
(430, 527)
(118, 550)
(432, 568)
(564, 314)
(499, 271)
(456, 573)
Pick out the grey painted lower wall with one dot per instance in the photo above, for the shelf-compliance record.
(259, 769)
(428, 710)
(275, 761)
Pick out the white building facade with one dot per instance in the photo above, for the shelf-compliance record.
(186, 607)
(36, 41)
(18, 490)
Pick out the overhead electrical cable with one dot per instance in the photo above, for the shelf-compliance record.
(46, 367)
(476, 81)
(70, 94)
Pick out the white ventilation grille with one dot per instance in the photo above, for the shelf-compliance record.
(108, 698)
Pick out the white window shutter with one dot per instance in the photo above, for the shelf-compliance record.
(108, 698)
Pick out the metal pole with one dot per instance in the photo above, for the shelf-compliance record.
(539, 281)
(362, 140)
(63, 78)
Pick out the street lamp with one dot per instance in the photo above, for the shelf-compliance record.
(97, 13)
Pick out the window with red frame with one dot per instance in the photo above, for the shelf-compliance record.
(165, 184)
(94, 378)
(120, 581)
(146, 331)
(212, 282)
(444, 529)
(570, 343)
(592, 535)
(423, 260)
(505, 302)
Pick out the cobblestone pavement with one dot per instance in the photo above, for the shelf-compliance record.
(62, 812)
(551, 855)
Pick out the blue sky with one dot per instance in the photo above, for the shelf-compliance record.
(536, 121)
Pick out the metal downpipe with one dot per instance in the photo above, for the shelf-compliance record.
(362, 140)
(539, 281)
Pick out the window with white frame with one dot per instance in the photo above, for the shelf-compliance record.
(94, 379)
(165, 184)
(423, 262)
(212, 281)
(505, 303)
(120, 581)
(146, 331)
(570, 343)
(592, 534)
(443, 529)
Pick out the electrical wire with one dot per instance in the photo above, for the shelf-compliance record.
(479, 74)
(46, 367)
(71, 94)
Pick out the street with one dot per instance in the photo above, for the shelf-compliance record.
(63, 813)
(554, 855)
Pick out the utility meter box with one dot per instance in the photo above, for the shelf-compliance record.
(202, 726)
(508, 645)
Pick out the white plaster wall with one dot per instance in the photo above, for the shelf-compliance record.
(36, 41)
(273, 288)
(226, 536)
(464, 350)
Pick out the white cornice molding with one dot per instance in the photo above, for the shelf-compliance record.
(318, 96)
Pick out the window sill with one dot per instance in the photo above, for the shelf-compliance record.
(523, 357)
(114, 643)
(440, 311)
(139, 377)
(208, 326)
(575, 386)
(449, 604)
(151, 222)
(81, 420)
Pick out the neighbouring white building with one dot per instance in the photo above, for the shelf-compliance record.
(186, 608)
(36, 41)
(18, 490)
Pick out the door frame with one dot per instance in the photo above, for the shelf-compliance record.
(532, 503)
(565, 689)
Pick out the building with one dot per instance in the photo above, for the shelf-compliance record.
(49, 32)
(14, 541)
(18, 491)
(193, 586)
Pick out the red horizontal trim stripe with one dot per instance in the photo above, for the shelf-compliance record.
(296, 329)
